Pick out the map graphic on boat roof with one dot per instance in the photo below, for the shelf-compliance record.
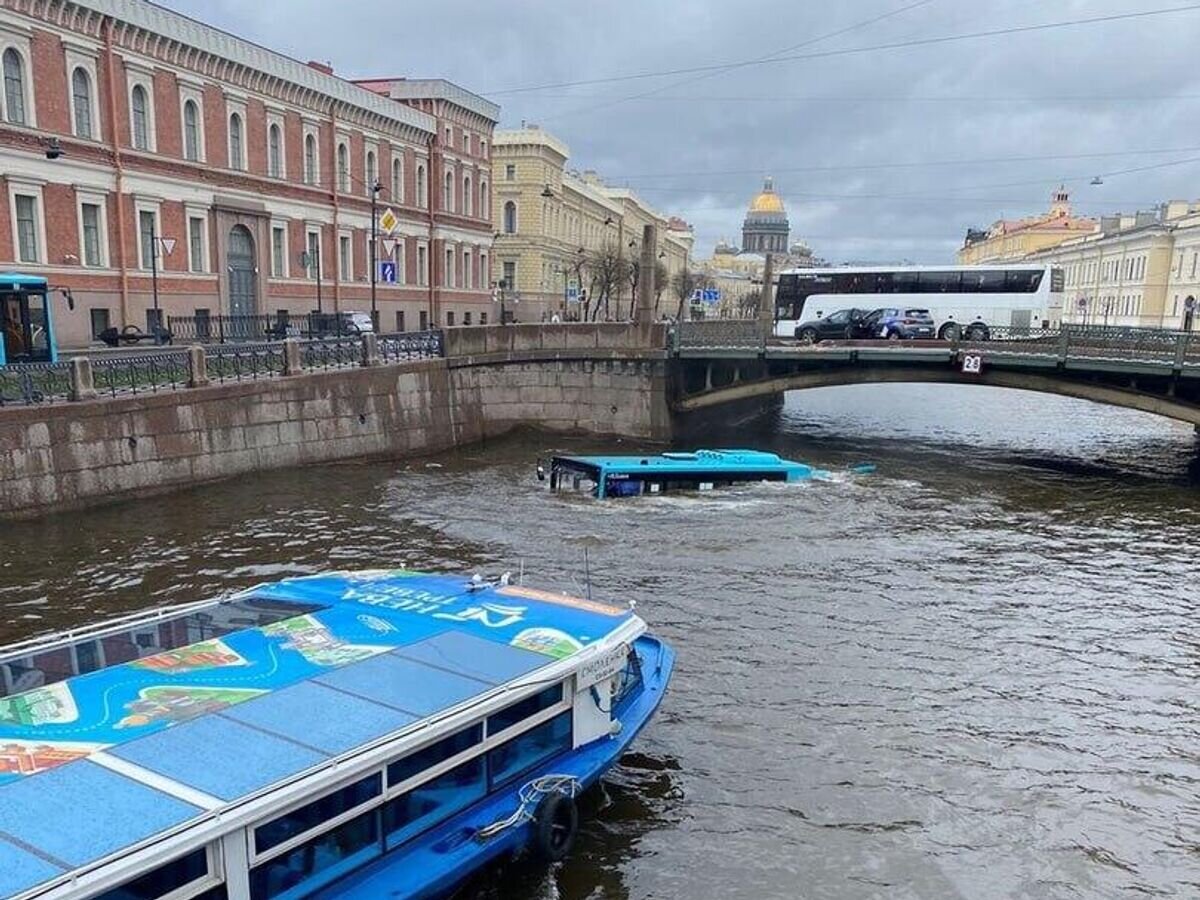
(365, 655)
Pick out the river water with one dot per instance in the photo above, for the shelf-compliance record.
(972, 674)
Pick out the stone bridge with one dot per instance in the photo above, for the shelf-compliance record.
(1154, 371)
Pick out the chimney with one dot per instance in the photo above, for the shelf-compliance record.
(323, 67)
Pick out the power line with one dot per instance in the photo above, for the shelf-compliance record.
(824, 54)
(883, 98)
(807, 43)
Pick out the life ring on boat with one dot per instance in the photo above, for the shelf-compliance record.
(555, 824)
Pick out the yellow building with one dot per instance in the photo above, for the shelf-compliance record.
(552, 224)
(1015, 239)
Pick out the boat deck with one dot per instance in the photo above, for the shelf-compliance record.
(98, 763)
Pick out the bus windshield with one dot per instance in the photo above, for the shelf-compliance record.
(26, 322)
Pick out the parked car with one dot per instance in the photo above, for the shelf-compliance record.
(338, 324)
(898, 324)
(840, 325)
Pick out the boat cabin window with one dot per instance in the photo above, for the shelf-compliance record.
(309, 816)
(629, 680)
(170, 879)
(569, 475)
(176, 643)
(523, 709)
(514, 758)
(428, 757)
(317, 862)
(434, 801)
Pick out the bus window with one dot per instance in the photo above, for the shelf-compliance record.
(906, 283)
(1024, 282)
(15, 346)
(38, 337)
(940, 282)
(986, 281)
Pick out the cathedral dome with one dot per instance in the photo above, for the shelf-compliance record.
(766, 228)
(767, 201)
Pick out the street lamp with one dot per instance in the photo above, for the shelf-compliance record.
(168, 245)
(375, 189)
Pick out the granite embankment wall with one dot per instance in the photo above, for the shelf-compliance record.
(602, 380)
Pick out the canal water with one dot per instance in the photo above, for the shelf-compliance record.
(972, 674)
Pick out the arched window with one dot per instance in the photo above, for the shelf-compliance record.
(468, 197)
(81, 96)
(191, 131)
(343, 168)
(310, 159)
(140, 105)
(14, 87)
(510, 218)
(275, 151)
(236, 158)
(371, 173)
(448, 193)
(422, 187)
(484, 210)
(397, 181)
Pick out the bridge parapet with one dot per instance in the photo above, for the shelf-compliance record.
(719, 334)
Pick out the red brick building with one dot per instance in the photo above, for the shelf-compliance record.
(244, 159)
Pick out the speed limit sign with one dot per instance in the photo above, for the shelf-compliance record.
(972, 364)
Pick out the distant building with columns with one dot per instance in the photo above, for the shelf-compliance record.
(766, 228)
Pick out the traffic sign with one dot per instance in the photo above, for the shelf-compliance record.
(389, 247)
(711, 295)
(168, 245)
(388, 221)
(572, 294)
(387, 271)
(972, 364)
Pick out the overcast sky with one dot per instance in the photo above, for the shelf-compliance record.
(824, 126)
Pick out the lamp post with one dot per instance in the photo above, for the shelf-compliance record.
(167, 245)
(375, 189)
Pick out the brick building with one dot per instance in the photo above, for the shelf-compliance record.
(243, 158)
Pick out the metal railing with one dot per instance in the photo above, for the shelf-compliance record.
(258, 328)
(719, 334)
(30, 383)
(411, 345)
(148, 373)
(331, 353)
(246, 362)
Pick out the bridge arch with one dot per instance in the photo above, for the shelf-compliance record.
(1025, 381)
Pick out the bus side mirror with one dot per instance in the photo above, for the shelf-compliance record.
(70, 299)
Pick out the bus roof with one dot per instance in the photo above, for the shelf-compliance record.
(122, 756)
(13, 281)
(850, 270)
(689, 461)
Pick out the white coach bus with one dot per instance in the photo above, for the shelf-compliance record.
(964, 301)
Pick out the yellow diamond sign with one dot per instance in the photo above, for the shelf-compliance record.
(388, 221)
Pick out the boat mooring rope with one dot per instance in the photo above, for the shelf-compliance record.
(531, 794)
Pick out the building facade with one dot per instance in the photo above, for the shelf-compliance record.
(1015, 239)
(552, 224)
(219, 163)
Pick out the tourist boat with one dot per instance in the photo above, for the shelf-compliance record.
(695, 470)
(346, 735)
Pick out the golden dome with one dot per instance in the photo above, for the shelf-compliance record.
(768, 201)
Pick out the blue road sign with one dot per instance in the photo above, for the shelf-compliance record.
(387, 271)
(712, 295)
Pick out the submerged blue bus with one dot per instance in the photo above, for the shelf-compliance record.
(26, 320)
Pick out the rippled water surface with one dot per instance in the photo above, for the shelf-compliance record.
(973, 674)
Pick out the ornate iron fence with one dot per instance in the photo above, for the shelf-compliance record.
(411, 345)
(331, 353)
(259, 328)
(716, 334)
(241, 362)
(29, 383)
(147, 373)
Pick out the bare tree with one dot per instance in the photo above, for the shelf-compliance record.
(607, 271)
(661, 277)
(683, 285)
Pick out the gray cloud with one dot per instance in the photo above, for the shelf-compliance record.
(1106, 88)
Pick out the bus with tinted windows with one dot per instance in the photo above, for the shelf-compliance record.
(963, 301)
(26, 321)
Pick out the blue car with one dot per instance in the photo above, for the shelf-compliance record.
(895, 324)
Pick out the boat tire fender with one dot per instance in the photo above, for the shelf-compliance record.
(555, 824)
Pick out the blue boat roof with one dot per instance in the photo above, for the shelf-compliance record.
(12, 280)
(364, 656)
(693, 460)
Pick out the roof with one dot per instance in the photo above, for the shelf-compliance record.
(98, 763)
(692, 461)
(20, 279)
(850, 270)
(767, 201)
(404, 88)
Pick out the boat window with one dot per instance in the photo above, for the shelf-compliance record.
(309, 816)
(436, 800)
(523, 709)
(629, 681)
(167, 880)
(428, 757)
(516, 757)
(315, 863)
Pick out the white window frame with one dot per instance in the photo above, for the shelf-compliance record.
(140, 206)
(236, 106)
(18, 38)
(468, 280)
(100, 657)
(28, 188)
(343, 180)
(468, 195)
(485, 280)
(197, 212)
(421, 180)
(368, 149)
(279, 225)
(136, 73)
(276, 120)
(485, 206)
(397, 185)
(451, 260)
(398, 257)
(315, 134)
(100, 199)
(345, 266)
(423, 263)
(79, 57)
(311, 231)
(192, 91)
